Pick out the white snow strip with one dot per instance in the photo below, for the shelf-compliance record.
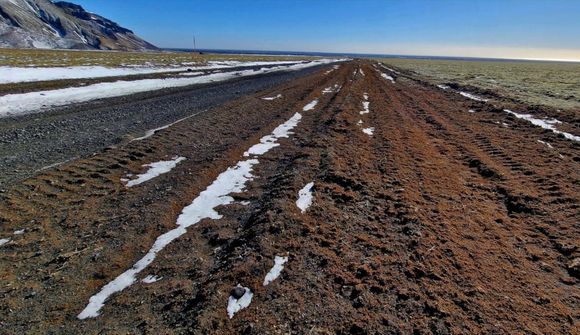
(4, 241)
(443, 87)
(9, 75)
(272, 98)
(369, 131)
(150, 279)
(546, 144)
(155, 169)
(366, 96)
(12, 104)
(386, 76)
(310, 105)
(19, 232)
(359, 122)
(332, 89)
(270, 141)
(152, 132)
(366, 110)
(471, 111)
(305, 197)
(473, 97)
(236, 305)
(233, 180)
(275, 271)
(544, 123)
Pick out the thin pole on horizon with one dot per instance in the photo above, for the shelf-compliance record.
(194, 46)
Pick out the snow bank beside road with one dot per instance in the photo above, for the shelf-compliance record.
(13, 104)
(10, 75)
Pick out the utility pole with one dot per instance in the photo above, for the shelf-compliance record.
(194, 46)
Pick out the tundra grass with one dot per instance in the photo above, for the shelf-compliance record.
(552, 84)
(61, 58)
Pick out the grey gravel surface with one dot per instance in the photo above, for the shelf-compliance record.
(31, 143)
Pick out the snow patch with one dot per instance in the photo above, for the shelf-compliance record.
(275, 271)
(270, 141)
(386, 76)
(310, 105)
(473, 97)
(366, 110)
(471, 111)
(272, 98)
(546, 144)
(369, 131)
(4, 241)
(443, 87)
(305, 197)
(19, 232)
(155, 169)
(236, 305)
(150, 279)
(544, 123)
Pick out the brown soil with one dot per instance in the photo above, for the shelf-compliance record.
(442, 222)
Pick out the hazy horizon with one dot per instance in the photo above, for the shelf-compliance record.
(508, 29)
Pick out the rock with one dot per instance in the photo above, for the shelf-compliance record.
(574, 267)
(238, 292)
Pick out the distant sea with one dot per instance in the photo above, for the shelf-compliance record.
(349, 55)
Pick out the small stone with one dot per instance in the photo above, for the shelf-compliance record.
(238, 292)
(574, 267)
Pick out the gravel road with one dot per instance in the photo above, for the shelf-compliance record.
(34, 142)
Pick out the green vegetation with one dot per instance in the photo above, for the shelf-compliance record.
(56, 58)
(543, 83)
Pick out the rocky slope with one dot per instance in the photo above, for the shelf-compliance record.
(44, 24)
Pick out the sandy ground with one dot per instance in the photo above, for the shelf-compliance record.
(440, 222)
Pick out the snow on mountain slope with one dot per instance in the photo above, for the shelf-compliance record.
(47, 25)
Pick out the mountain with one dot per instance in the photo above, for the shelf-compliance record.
(63, 25)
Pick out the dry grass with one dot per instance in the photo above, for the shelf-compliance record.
(537, 83)
(57, 58)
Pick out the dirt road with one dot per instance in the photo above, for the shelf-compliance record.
(425, 218)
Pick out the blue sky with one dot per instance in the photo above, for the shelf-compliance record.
(493, 28)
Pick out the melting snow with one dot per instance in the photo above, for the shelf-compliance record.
(233, 180)
(11, 104)
(150, 279)
(19, 232)
(443, 87)
(366, 108)
(359, 122)
(310, 106)
(366, 96)
(272, 98)
(546, 144)
(473, 97)
(274, 273)
(152, 132)
(4, 241)
(155, 169)
(544, 123)
(305, 197)
(236, 305)
(369, 131)
(270, 141)
(386, 76)
(471, 111)
(332, 89)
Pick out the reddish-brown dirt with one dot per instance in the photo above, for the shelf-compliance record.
(441, 222)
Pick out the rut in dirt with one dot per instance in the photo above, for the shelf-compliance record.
(362, 201)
